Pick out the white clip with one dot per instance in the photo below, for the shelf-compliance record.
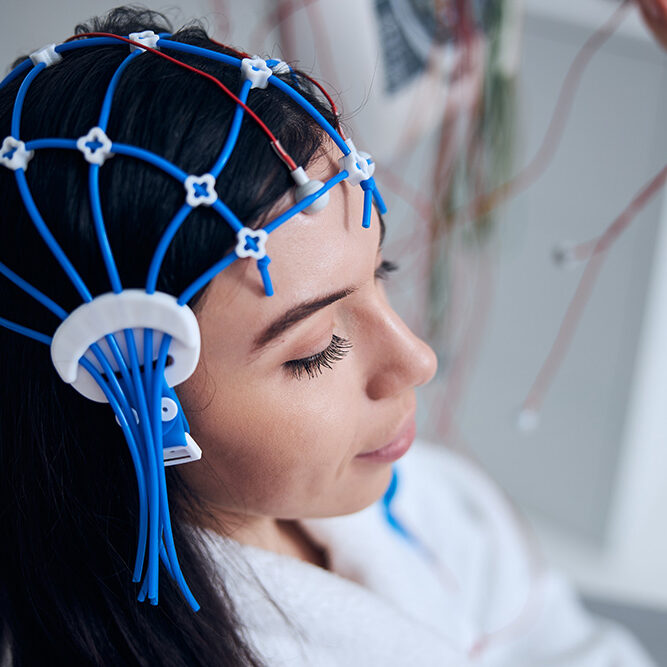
(256, 70)
(13, 154)
(169, 409)
(358, 164)
(47, 55)
(147, 38)
(175, 455)
(95, 146)
(113, 313)
(258, 235)
(201, 190)
(281, 67)
(305, 187)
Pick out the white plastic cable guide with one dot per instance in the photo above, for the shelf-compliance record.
(358, 164)
(200, 190)
(112, 313)
(95, 146)
(47, 55)
(259, 235)
(147, 37)
(13, 154)
(257, 71)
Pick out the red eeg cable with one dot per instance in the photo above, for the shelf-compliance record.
(332, 104)
(322, 89)
(236, 52)
(275, 144)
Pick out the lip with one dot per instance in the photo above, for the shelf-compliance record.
(397, 447)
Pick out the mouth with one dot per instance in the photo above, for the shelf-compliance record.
(393, 450)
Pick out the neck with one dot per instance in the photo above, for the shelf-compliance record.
(281, 536)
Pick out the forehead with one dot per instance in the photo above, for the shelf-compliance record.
(311, 256)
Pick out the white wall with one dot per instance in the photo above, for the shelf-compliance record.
(592, 476)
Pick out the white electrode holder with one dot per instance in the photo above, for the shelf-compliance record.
(113, 313)
(305, 187)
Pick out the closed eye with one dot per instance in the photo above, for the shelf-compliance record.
(312, 365)
(385, 268)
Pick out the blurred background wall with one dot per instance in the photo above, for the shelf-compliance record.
(455, 100)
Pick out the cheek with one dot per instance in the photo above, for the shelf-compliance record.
(276, 446)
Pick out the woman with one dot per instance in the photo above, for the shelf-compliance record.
(300, 403)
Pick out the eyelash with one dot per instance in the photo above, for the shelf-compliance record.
(312, 365)
(385, 268)
(338, 347)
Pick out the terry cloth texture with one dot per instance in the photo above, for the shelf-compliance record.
(470, 593)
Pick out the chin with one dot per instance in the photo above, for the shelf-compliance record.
(365, 493)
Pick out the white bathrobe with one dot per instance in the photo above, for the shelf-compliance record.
(480, 598)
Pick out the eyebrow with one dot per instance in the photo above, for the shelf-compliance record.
(305, 309)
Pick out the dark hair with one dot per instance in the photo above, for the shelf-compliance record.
(68, 497)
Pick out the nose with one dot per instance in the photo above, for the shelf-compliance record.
(399, 359)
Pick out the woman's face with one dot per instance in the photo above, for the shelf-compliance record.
(282, 441)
